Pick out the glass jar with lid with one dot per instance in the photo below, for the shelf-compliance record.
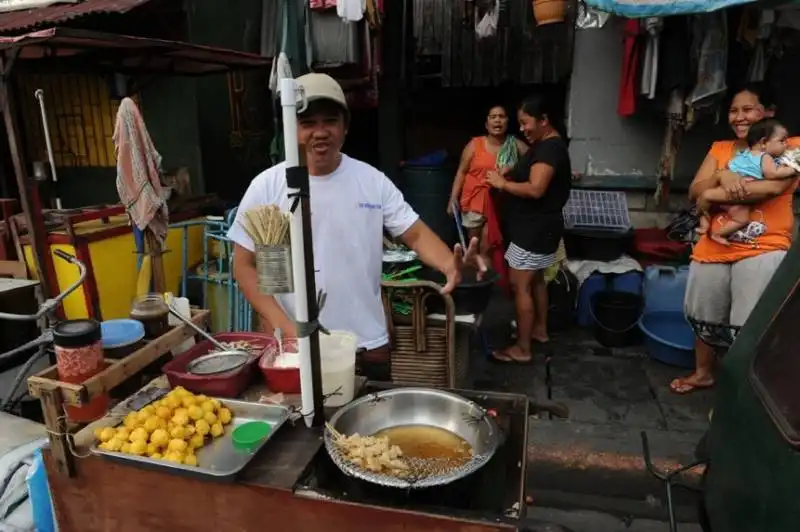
(153, 312)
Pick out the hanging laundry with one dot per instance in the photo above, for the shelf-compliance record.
(322, 4)
(757, 69)
(675, 63)
(351, 10)
(334, 42)
(712, 63)
(626, 105)
(652, 27)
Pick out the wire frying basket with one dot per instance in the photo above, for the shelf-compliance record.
(274, 269)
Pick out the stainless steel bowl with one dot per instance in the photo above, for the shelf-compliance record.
(415, 406)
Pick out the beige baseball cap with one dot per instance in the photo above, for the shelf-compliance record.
(322, 87)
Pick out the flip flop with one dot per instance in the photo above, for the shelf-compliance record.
(683, 386)
(502, 357)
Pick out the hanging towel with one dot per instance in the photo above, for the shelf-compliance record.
(138, 172)
(351, 10)
(626, 106)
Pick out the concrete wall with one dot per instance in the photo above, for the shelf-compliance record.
(616, 152)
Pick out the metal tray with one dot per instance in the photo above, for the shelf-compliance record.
(218, 460)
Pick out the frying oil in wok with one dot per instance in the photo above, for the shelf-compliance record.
(421, 441)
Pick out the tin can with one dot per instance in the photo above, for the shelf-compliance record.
(274, 268)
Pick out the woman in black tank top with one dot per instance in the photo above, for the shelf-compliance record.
(534, 194)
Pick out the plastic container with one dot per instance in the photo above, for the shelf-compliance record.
(152, 311)
(616, 316)
(121, 337)
(39, 494)
(79, 356)
(469, 297)
(280, 380)
(338, 353)
(248, 436)
(229, 384)
(597, 244)
(665, 287)
(626, 282)
(181, 304)
(668, 338)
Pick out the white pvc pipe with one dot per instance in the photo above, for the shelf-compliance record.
(39, 95)
(288, 92)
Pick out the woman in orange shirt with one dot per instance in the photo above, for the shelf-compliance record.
(726, 281)
(494, 150)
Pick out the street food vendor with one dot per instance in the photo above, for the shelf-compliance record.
(351, 204)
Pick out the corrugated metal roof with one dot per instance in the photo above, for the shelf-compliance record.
(132, 54)
(60, 13)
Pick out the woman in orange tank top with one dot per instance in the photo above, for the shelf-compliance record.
(482, 154)
(726, 281)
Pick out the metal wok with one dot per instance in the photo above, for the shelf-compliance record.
(415, 406)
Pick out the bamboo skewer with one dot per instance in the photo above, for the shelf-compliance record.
(266, 225)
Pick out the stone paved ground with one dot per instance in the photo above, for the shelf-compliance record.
(593, 460)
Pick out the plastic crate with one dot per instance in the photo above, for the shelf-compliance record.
(229, 384)
(597, 209)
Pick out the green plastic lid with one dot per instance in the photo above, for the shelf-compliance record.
(250, 435)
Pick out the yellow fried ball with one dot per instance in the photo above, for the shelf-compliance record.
(177, 445)
(196, 441)
(173, 401)
(156, 456)
(164, 412)
(174, 456)
(159, 437)
(188, 431)
(225, 416)
(126, 448)
(210, 418)
(152, 448)
(139, 447)
(106, 434)
(195, 412)
(217, 430)
(216, 403)
(115, 444)
(207, 406)
(188, 400)
(152, 423)
(149, 410)
(202, 427)
(190, 460)
(123, 433)
(138, 434)
(131, 421)
(180, 419)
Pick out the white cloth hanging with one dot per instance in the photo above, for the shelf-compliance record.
(351, 10)
(652, 26)
(487, 25)
(281, 68)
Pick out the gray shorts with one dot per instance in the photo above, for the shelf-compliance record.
(472, 220)
(727, 293)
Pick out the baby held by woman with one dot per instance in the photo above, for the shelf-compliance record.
(766, 142)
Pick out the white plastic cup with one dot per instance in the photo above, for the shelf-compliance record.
(338, 353)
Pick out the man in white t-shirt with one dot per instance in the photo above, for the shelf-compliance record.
(351, 204)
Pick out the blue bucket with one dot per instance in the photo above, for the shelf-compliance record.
(668, 337)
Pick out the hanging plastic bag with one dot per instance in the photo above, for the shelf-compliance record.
(487, 26)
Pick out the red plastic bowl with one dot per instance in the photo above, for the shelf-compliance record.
(279, 380)
(229, 384)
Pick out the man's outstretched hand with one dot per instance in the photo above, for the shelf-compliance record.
(461, 259)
